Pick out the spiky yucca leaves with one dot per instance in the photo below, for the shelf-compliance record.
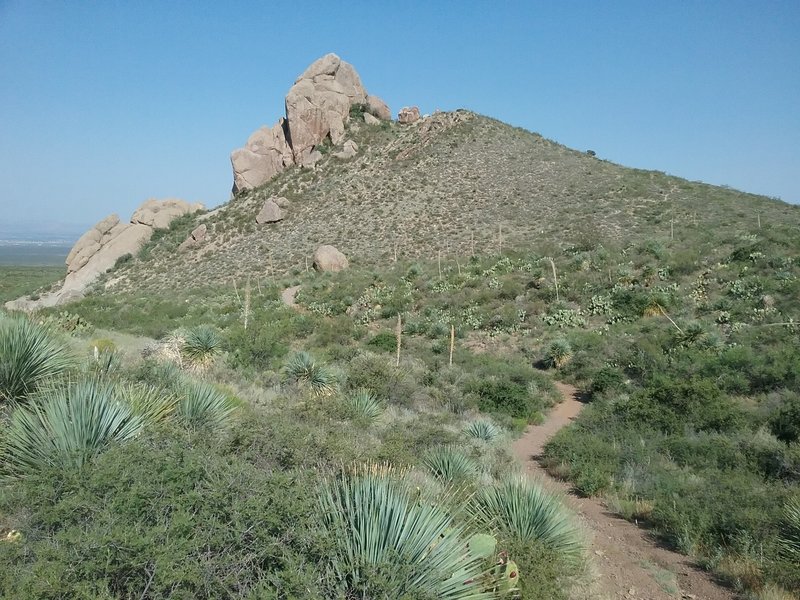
(302, 369)
(520, 509)
(202, 405)
(449, 464)
(388, 544)
(152, 404)
(364, 405)
(29, 355)
(558, 354)
(200, 346)
(65, 426)
(790, 537)
(483, 429)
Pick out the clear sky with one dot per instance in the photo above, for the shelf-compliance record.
(105, 104)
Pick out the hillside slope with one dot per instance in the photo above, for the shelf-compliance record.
(452, 183)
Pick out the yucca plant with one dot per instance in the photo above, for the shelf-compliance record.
(449, 464)
(483, 429)
(65, 426)
(200, 346)
(558, 354)
(377, 525)
(29, 355)
(363, 404)
(520, 509)
(202, 405)
(302, 369)
(790, 536)
(151, 403)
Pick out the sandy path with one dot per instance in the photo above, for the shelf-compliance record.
(288, 297)
(628, 562)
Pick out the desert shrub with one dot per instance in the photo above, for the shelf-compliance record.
(607, 379)
(29, 356)
(377, 372)
(130, 523)
(506, 397)
(785, 423)
(386, 341)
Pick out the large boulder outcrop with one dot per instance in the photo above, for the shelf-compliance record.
(317, 108)
(97, 250)
(328, 258)
(160, 213)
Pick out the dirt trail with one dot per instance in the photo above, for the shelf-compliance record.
(628, 562)
(288, 297)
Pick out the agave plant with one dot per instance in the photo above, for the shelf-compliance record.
(375, 521)
(558, 354)
(483, 429)
(200, 346)
(151, 403)
(363, 404)
(29, 355)
(202, 405)
(302, 369)
(65, 426)
(518, 508)
(449, 464)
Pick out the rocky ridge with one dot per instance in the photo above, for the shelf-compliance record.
(98, 250)
(317, 108)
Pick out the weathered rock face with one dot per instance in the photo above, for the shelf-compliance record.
(408, 114)
(270, 213)
(266, 154)
(317, 107)
(98, 249)
(378, 108)
(370, 120)
(328, 258)
(196, 238)
(160, 213)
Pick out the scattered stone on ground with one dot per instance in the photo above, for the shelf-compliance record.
(196, 238)
(349, 150)
(370, 120)
(270, 213)
(378, 108)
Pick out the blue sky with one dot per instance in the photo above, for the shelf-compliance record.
(105, 104)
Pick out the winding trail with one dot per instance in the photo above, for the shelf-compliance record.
(629, 563)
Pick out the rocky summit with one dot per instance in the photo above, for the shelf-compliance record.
(317, 108)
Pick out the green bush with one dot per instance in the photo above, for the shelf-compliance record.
(386, 341)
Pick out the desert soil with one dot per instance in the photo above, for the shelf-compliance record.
(627, 562)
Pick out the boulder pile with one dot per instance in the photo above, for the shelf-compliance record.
(97, 250)
(317, 108)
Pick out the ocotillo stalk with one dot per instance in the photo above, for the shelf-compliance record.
(306, 264)
(452, 342)
(399, 334)
(759, 220)
(555, 277)
(458, 264)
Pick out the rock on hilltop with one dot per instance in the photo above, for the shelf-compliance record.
(317, 107)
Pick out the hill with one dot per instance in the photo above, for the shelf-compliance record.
(456, 184)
